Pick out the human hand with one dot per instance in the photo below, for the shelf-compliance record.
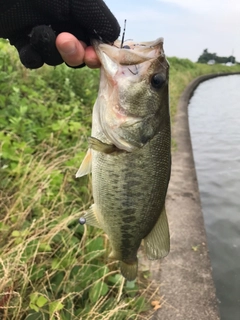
(75, 52)
(34, 26)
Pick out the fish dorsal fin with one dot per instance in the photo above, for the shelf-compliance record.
(157, 242)
(86, 165)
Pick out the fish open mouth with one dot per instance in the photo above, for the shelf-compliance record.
(125, 80)
(131, 54)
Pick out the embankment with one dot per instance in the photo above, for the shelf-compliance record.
(185, 275)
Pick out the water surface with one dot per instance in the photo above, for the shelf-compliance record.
(214, 118)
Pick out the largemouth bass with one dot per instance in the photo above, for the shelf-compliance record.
(130, 151)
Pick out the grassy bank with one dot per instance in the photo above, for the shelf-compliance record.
(183, 71)
(50, 266)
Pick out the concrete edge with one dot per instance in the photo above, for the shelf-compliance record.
(192, 86)
(185, 275)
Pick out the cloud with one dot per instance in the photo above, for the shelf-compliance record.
(141, 14)
(188, 27)
(210, 7)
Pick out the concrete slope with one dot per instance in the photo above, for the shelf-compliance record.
(185, 275)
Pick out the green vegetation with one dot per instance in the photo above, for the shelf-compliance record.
(207, 56)
(50, 266)
(183, 71)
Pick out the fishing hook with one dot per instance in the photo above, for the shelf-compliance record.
(133, 72)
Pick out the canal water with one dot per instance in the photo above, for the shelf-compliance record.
(214, 119)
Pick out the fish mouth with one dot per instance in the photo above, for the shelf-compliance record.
(131, 54)
(99, 46)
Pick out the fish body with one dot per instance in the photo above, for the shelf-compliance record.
(130, 152)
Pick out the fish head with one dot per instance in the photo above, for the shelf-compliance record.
(133, 92)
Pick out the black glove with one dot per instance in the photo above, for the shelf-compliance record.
(33, 25)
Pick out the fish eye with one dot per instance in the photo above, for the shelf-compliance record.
(157, 81)
(126, 47)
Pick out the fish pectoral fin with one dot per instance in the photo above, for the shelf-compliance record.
(91, 217)
(86, 165)
(129, 271)
(100, 146)
(157, 242)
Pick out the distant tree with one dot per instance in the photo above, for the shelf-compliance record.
(206, 56)
(232, 59)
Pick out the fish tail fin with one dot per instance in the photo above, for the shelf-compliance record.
(129, 271)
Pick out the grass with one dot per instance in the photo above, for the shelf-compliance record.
(50, 266)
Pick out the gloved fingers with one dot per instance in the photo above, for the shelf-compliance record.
(40, 46)
(37, 47)
(86, 19)
(43, 41)
(28, 56)
(91, 16)
(96, 18)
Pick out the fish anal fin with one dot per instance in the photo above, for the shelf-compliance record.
(157, 242)
(91, 217)
(129, 270)
(86, 165)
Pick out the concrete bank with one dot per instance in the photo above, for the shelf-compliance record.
(185, 276)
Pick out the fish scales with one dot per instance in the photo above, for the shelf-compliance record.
(132, 217)
(129, 152)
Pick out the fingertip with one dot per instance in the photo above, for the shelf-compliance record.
(91, 58)
(71, 49)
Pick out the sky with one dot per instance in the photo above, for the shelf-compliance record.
(187, 26)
